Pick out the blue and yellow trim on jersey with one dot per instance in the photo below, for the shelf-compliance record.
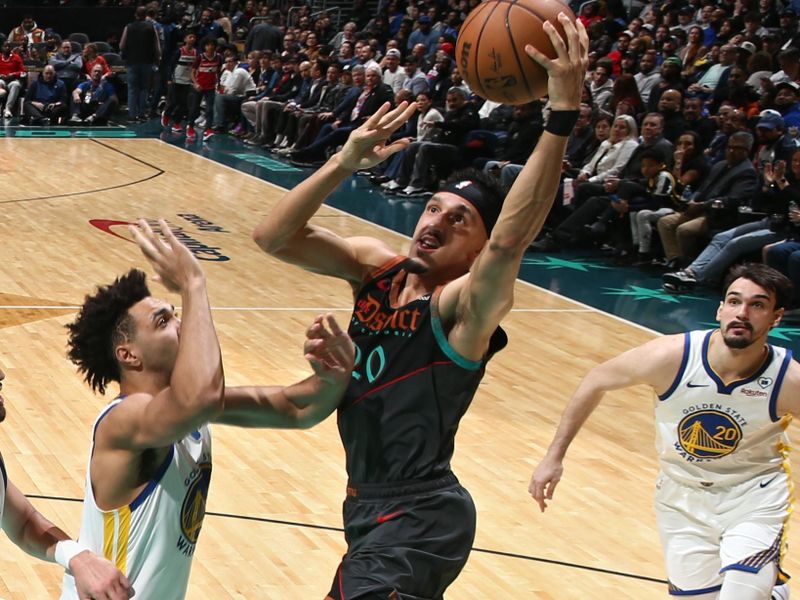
(687, 346)
(722, 387)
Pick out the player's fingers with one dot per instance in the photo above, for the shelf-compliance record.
(333, 324)
(584, 38)
(396, 146)
(556, 39)
(544, 60)
(552, 488)
(146, 246)
(166, 232)
(373, 121)
(402, 116)
(573, 40)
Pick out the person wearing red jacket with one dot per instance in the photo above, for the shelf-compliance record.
(11, 71)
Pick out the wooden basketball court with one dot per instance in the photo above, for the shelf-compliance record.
(275, 496)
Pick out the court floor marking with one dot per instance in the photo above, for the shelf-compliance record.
(499, 553)
(158, 172)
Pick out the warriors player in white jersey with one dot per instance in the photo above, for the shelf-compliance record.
(724, 399)
(96, 577)
(150, 460)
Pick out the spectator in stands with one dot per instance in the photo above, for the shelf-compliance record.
(602, 85)
(423, 34)
(12, 71)
(689, 168)
(91, 58)
(393, 75)
(264, 36)
(68, 65)
(693, 115)
(775, 144)
(670, 105)
(785, 255)
(670, 79)
(581, 144)
(234, 84)
(709, 268)
(210, 28)
(94, 101)
(262, 110)
(415, 81)
(692, 51)
(714, 206)
(205, 78)
(180, 84)
(141, 52)
(366, 56)
(46, 99)
(708, 82)
(648, 76)
(788, 32)
(789, 62)
(787, 102)
(321, 97)
(347, 34)
(443, 154)
(625, 98)
(311, 48)
(373, 95)
(339, 108)
(346, 56)
(28, 32)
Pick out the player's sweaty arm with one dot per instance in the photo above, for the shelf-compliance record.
(285, 232)
(331, 353)
(655, 363)
(486, 294)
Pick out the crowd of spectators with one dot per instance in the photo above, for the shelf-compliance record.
(684, 157)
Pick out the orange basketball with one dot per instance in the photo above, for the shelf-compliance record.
(490, 50)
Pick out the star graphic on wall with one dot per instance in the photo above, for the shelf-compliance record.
(551, 262)
(640, 293)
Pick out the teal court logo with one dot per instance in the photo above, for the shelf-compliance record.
(709, 434)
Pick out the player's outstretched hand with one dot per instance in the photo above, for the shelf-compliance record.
(329, 350)
(544, 481)
(567, 72)
(175, 266)
(97, 579)
(367, 145)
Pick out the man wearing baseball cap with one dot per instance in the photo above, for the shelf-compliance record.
(775, 143)
(393, 75)
(787, 102)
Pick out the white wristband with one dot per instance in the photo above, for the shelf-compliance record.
(66, 550)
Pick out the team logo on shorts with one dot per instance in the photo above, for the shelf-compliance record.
(709, 434)
(194, 504)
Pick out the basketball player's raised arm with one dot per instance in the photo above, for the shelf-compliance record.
(302, 405)
(195, 393)
(655, 363)
(286, 232)
(32, 532)
(486, 294)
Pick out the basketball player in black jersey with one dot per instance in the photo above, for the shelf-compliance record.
(425, 325)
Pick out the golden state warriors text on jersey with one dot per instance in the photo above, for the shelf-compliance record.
(153, 539)
(710, 432)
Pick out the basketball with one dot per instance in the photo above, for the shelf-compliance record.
(490, 50)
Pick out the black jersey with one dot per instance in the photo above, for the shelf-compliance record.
(409, 388)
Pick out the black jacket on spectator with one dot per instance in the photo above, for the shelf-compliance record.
(140, 43)
(286, 89)
(457, 124)
(380, 93)
(734, 186)
(264, 37)
(522, 139)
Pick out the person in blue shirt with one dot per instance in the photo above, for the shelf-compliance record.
(46, 99)
(95, 100)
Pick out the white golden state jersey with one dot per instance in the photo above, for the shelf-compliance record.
(152, 539)
(712, 434)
